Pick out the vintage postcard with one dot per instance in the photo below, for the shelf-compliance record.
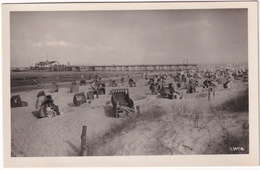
(130, 84)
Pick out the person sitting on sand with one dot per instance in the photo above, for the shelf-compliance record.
(169, 92)
(163, 92)
(154, 88)
(122, 80)
(183, 78)
(95, 85)
(159, 84)
(192, 86)
(171, 88)
(206, 83)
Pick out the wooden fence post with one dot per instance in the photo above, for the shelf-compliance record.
(84, 141)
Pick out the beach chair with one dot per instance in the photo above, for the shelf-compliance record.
(82, 82)
(79, 99)
(98, 87)
(151, 80)
(102, 89)
(179, 84)
(122, 103)
(113, 83)
(132, 83)
(154, 89)
(48, 108)
(41, 93)
(17, 102)
(169, 92)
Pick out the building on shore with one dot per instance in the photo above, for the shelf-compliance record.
(48, 66)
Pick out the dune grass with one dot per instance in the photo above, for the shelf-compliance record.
(232, 143)
(195, 114)
(152, 114)
(236, 104)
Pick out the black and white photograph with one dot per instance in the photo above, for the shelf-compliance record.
(136, 82)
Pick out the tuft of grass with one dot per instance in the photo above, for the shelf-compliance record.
(180, 109)
(152, 114)
(196, 115)
(237, 104)
(99, 140)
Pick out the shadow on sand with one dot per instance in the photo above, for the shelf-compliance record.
(74, 148)
(108, 111)
(71, 105)
(36, 114)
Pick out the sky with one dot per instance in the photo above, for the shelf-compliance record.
(129, 37)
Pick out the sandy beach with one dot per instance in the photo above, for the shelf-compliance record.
(60, 135)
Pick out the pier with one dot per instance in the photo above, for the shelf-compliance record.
(154, 67)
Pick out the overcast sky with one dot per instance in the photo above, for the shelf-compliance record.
(129, 37)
